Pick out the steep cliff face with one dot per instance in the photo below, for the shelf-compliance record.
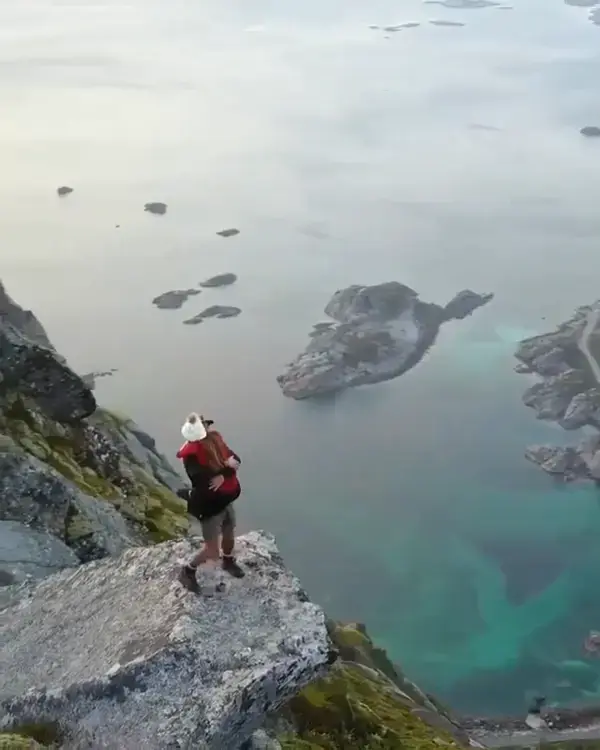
(89, 478)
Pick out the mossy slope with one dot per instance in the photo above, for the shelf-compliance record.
(105, 459)
(365, 702)
(17, 742)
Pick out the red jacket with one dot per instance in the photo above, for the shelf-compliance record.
(196, 450)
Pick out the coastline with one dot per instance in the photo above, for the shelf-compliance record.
(567, 392)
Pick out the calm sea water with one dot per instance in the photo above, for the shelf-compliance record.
(443, 157)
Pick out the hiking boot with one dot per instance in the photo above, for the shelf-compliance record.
(231, 567)
(187, 578)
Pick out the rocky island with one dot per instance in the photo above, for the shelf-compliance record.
(100, 648)
(378, 333)
(566, 362)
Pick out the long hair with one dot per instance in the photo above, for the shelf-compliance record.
(216, 449)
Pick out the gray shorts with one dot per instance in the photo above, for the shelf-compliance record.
(215, 525)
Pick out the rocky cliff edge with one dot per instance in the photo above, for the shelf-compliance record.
(115, 654)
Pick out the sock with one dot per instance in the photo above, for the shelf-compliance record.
(228, 557)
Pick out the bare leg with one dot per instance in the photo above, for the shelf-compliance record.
(228, 545)
(210, 551)
(228, 541)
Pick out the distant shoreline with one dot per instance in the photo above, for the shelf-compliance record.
(564, 725)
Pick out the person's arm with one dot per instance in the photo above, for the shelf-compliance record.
(233, 454)
(201, 474)
(197, 473)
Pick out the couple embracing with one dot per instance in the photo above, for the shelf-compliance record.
(212, 468)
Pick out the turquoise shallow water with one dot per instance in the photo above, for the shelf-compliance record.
(343, 157)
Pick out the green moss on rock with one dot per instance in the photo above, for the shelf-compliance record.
(351, 708)
(17, 742)
(77, 528)
(31, 736)
(362, 703)
(139, 496)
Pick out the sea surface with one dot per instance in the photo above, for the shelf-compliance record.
(440, 156)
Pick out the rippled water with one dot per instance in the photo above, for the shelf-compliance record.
(442, 156)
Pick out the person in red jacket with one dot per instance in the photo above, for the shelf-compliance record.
(212, 467)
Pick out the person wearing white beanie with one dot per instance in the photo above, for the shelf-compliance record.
(212, 468)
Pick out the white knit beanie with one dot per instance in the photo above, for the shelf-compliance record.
(193, 429)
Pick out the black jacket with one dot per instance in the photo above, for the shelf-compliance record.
(203, 502)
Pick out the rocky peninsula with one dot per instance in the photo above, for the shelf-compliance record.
(566, 362)
(378, 333)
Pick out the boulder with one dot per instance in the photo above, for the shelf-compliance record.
(116, 654)
(26, 553)
(35, 494)
(379, 332)
(23, 320)
(37, 372)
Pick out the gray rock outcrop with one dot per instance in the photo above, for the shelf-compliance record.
(93, 479)
(552, 397)
(119, 655)
(565, 462)
(379, 332)
(23, 320)
(34, 494)
(36, 371)
(25, 553)
(567, 392)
